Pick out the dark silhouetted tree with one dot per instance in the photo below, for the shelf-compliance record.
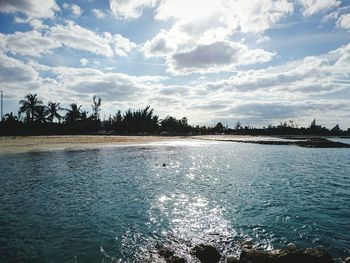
(74, 114)
(10, 118)
(96, 108)
(52, 111)
(41, 114)
(30, 106)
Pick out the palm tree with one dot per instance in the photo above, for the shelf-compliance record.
(41, 114)
(73, 113)
(52, 111)
(10, 118)
(96, 107)
(30, 106)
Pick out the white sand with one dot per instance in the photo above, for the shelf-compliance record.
(16, 144)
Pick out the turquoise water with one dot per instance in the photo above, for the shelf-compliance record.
(116, 204)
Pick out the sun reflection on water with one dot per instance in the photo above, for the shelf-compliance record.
(191, 220)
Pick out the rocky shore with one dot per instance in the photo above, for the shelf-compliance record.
(207, 253)
(308, 142)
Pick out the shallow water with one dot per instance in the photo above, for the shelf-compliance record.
(111, 204)
(339, 139)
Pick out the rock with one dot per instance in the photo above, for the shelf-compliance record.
(175, 259)
(309, 255)
(231, 259)
(169, 255)
(165, 251)
(248, 244)
(164, 165)
(291, 247)
(206, 253)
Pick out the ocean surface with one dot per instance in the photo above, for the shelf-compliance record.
(118, 204)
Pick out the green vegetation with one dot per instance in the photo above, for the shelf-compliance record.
(35, 118)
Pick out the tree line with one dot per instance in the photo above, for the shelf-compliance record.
(35, 118)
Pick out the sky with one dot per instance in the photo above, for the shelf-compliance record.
(258, 62)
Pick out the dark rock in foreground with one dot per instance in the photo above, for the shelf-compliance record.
(206, 253)
(309, 255)
(169, 256)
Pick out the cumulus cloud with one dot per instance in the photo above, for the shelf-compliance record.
(44, 39)
(217, 56)
(324, 74)
(312, 7)
(196, 32)
(121, 45)
(273, 112)
(98, 13)
(31, 43)
(32, 8)
(249, 16)
(75, 9)
(75, 36)
(344, 21)
(37, 24)
(84, 61)
(160, 45)
(129, 9)
(33, 22)
(14, 71)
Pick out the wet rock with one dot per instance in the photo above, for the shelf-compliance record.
(248, 244)
(309, 255)
(231, 259)
(347, 260)
(206, 253)
(175, 259)
(169, 255)
(291, 247)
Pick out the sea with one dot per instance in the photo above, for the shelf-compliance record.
(124, 203)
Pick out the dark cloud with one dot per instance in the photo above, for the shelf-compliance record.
(219, 53)
(217, 56)
(33, 8)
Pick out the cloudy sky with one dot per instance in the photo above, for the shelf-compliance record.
(259, 62)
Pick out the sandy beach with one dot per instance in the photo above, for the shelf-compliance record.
(11, 144)
(17, 144)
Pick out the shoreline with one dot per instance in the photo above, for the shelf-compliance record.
(21, 144)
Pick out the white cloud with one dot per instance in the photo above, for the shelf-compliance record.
(75, 9)
(344, 21)
(263, 39)
(31, 43)
(248, 16)
(313, 75)
(216, 22)
(121, 45)
(312, 7)
(297, 90)
(14, 71)
(77, 37)
(37, 24)
(84, 61)
(32, 8)
(129, 9)
(74, 36)
(35, 43)
(215, 57)
(98, 13)
(33, 22)
(160, 45)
